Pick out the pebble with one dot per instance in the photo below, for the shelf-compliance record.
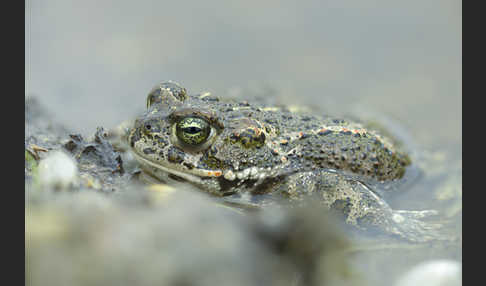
(440, 272)
(58, 171)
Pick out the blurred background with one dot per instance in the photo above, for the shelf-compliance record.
(93, 62)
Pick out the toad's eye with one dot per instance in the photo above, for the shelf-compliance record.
(193, 130)
(168, 92)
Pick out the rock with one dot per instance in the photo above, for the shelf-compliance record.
(444, 272)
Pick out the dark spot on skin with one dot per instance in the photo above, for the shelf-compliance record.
(148, 151)
(161, 155)
(245, 140)
(346, 132)
(188, 165)
(323, 133)
(119, 166)
(161, 141)
(304, 135)
(174, 155)
(151, 126)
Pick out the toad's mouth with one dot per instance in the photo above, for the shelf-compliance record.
(161, 169)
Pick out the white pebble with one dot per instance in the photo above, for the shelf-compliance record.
(262, 176)
(246, 173)
(243, 175)
(229, 175)
(433, 273)
(57, 170)
(253, 172)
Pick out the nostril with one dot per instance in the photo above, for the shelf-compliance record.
(150, 126)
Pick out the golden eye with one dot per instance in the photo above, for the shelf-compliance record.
(193, 130)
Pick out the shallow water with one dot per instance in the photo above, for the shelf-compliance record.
(93, 63)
